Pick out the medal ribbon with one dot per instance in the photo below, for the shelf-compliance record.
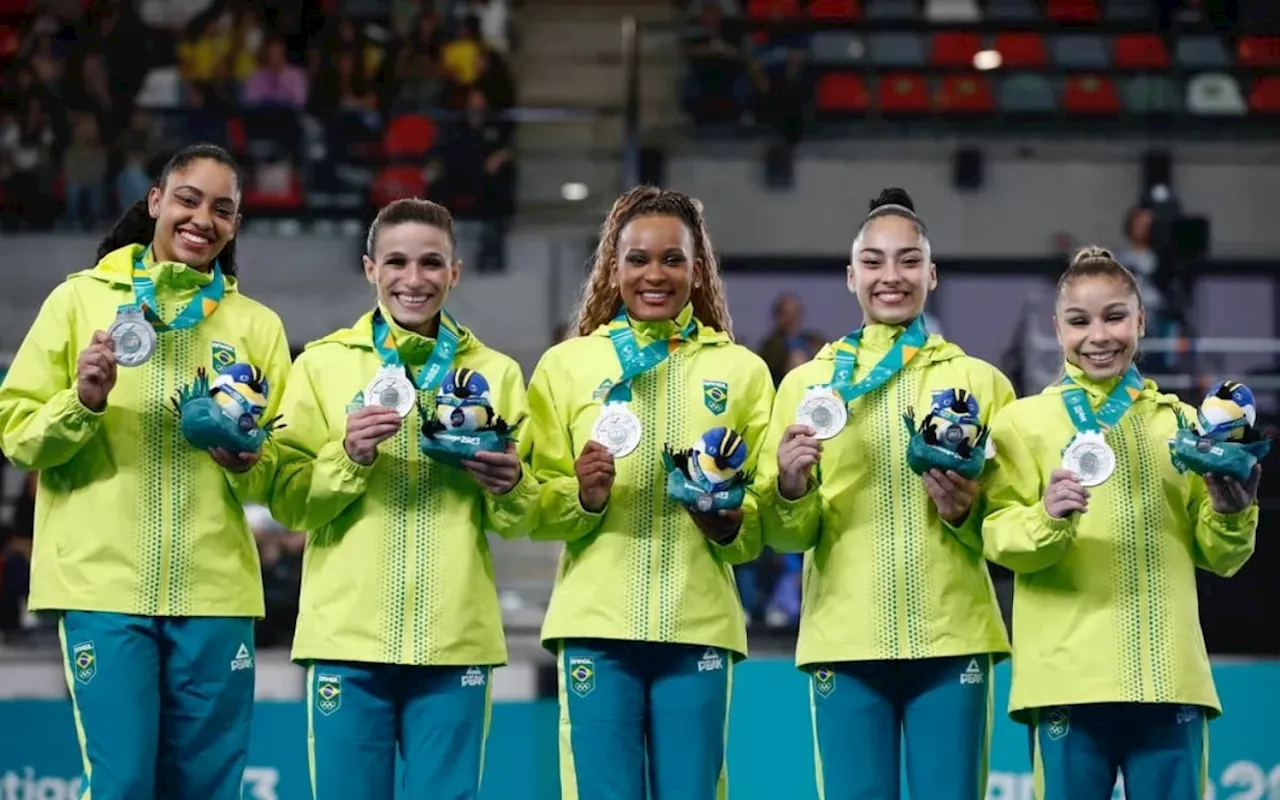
(438, 363)
(637, 360)
(1109, 415)
(200, 308)
(904, 349)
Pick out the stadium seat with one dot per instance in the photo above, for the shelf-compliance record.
(9, 42)
(1012, 11)
(1258, 51)
(1150, 95)
(1080, 52)
(1021, 50)
(892, 9)
(1072, 12)
(1201, 52)
(1264, 96)
(767, 9)
(1140, 51)
(835, 10)
(951, 11)
(409, 136)
(841, 92)
(1129, 10)
(1027, 94)
(954, 48)
(237, 137)
(965, 95)
(896, 49)
(1091, 95)
(837, 47)
(904, 93)
(274, 187)
(1214, 94)
(395, 182)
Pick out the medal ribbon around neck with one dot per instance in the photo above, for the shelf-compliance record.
(637, 360)
(438, 363)
(910, 342)
(200, 308)
(1112, 411)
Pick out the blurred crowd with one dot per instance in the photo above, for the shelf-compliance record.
(96, 94)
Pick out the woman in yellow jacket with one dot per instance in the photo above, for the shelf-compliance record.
(399, 623)
(645, 616)
(1105, 533)
(141, 542)
(899, 626)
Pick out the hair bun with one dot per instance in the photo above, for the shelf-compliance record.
(893, 196)
(1091, 253)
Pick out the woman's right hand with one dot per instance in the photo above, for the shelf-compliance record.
(96, 372)
(798, 452)
(595, 472)
(366, 429)
(1065, 495)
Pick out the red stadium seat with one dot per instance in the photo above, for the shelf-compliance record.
(904, 93)
(394, 183)
(1258, 51)
(835, 10)
(767, 9)
(275, 188)
(237, 138)
(1091, 95)
(1021, 50)
(954, 48)
(9, 42)
(965, 95)
(1264, 96)
(409, 136)
(1072, 12)
(1140, 51)
(16, 6)
(841, 92)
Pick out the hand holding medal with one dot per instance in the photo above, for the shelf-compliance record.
(595, 470)
(366, 429)
(96, 372)
(798, 453)
(1065, 495)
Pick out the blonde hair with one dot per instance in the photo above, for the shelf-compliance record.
(601, 298)
(1094, 261)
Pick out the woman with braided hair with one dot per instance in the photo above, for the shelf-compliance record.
(645, 617)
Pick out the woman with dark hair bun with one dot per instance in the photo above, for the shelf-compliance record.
(899, 627)
(142, 545)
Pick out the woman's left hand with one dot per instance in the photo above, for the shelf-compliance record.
(234, 462)
(952, 493)
(1228, 495)
(719, 526)
(498, 473)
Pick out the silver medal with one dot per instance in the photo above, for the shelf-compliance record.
(391, 388)
(824, 411)
(1090, 458)
(132, 338)
(618, 429)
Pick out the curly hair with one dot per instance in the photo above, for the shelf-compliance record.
(601, 297)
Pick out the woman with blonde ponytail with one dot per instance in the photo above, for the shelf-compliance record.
(645, 617)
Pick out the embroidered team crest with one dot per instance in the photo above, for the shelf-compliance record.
(715, 396)
(582, 675)
(824, 681)
(602, 390)
(84, 661)
(224, 355)
(328, 693)
(1057, 722)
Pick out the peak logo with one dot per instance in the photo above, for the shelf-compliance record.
(28, 786)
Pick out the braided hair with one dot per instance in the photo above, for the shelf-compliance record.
(136, 226)
(601, 297)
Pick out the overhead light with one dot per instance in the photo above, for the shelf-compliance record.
(574, 192)
(987, 59)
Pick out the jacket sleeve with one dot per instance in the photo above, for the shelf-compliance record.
(43, 424)
(254, 485)
(746, 546)
(1017, 532)
(786, 526)
(514, 514)
(315, 480)
(551, 456)
(999, 393)
(1223, 542)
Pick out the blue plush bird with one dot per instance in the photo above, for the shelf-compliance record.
(717, 458)
(463, 403)
(952, 422)
(241, 392)
(1227, 412)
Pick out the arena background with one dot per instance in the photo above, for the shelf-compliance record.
(1022, 128)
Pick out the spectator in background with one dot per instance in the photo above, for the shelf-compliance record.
(276, 83)
(418, 71)
(780, 69)
(84, 173)
(788, 345)
(1141, 258)
(88, 91)
(717, 66)
(218, 53)
(496, 81)
(15, 562)
(137, 145)
(343, 36)
(493, 18)
(27, 166)
(462, 55)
